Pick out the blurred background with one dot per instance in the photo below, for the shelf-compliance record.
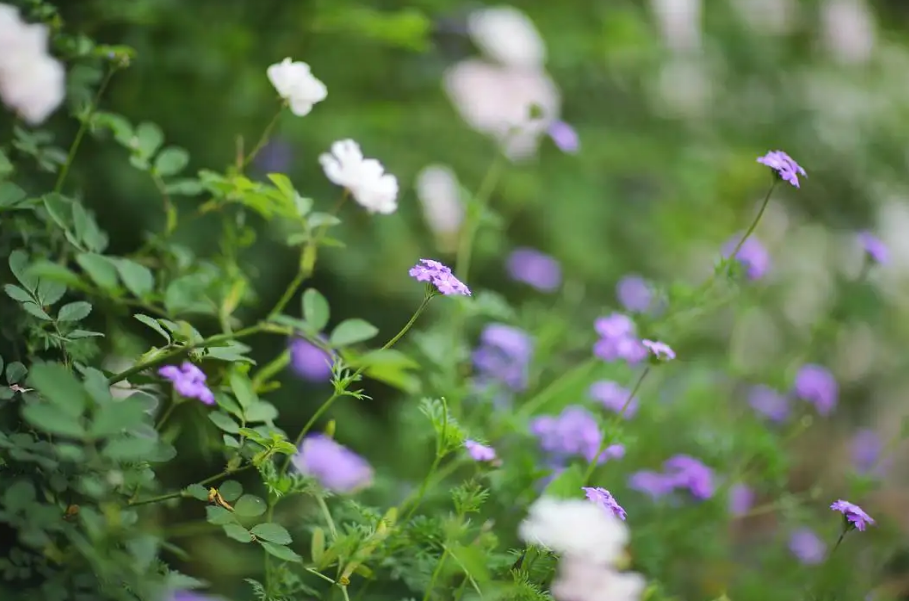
(651, 116)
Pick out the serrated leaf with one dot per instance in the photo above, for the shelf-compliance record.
(74, 311)
(249, 506)
(33, 309)
(171, 161)
(273, 533)
(153, 324)
(48, 418)
(224, 422)
(77, 334)
(137, 278)
(280, 551)
(237, 532)
(316, 310)
(352, 331)
(18, 264)
(17, 294)
(49, 292)
(59, 386)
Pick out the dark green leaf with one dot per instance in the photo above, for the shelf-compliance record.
(227, 402)
(153, 324)
(237, 532)
(273, 533)
(242, 387)
(171, 161)
(18, 496)
(99, 268)
(137, 278)
(116, 417)
(219, 516)
(224, 422)
(10, 194)
(315, 309)
(249, 506)
(59, 386)
(74, 311)
(352, 331)
(86, 229)
(50, 419)
(184, 187)
(280, 551)
(15, 371)
(261, 412)
(130, 449)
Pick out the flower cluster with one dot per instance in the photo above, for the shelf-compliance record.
(297, 85)
(189, 382)
(618, 340)
(439, 276)
(590, 543)
(813, 383)
(32, 82)
(535, 269)
(502, 360)
(681, 472)
(479, 451)
(783, 165)
(365, 179)
(573, 433)
(336, 467)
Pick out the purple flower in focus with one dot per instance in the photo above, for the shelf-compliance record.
(651, 483)
(309, 361)
(535, 269)
(564, 136)
(817, 385)
(618, 340)
(503, 357)
(741, 498)
(336, 467)
(479, 452)
(574, 432)
(874, 248)
(604, 499)
(806, 545)
(867, 447)
(786, 168)
(659, 350)
(439, 276)
(189, 382)
(769, 402)
(613, 397)
(687, 472)
(634, 293)
(753, 256)
(854, 515)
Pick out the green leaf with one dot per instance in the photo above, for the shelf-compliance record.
(184, 187)
(59, 386)
(237, 532)
(15, 371)
(18, 264)
(129, 449)
(116, 417)
(59, 208)
(137, 278)
(317, 546)
(280, 552)
(261, 412)
(99, 268)
(315, 309)
(186, 294)
(273, 533)
(20, 495)
(472, 560)
(50, 419)
(171, 161)
(17, 294)
(10, 194)
(77, 334)
(243, 389)
(282, 183)
(224, 422)
(153, 324)
(219, 516)
(87, 230)
(148, 139)
(196, 491)
(566, 485)
(249, 506)
(351, 331)
(227, 402)
(49, 292)
(230, 490)
(33, 309)
(74, 311)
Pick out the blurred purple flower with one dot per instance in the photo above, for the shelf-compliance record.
(336, 467)
(769, 402)
(439, 276)
(854, 515)
(687, 472)
(478, 451)
(564, 136)
(618, 340)
(741, 498)
(651, 483)
(807, 547)
(503, 357)
(786, 168)
(275, 157)
(659, 350)
(189, 382)
(309, 361)
(613, 397)
(815, 384)
(867, 448)
(604, 499)
(753, 256)
(535, 269)
(634, 293)
(874, 248)
(574, 432)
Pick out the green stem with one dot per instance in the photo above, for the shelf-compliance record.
(263, 140)
(754, 223)
(166, 415)
(441, 446)
(592, 466)
(471, 225)
(289, 292)
(435, 574)
(179, 493)
(323, 507)
(83, 127)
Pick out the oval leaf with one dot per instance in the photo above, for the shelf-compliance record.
(351, 331)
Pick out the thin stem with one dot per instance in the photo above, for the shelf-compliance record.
(179, 493)
(406, 327)
(592, 466)
(289, 292)
(320, 500)
(484, 192)
(166, 415)
(754, 223)
(435, 574)
(83, 127)
(263, 140)
(441, 445)
(837, 544)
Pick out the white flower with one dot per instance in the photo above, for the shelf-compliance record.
(575, 528)
(581, 580)
(297, 85)
(365, 179)
(32, 82)
(849, 30)
(508, 36)
(680, 23)
(440, 194)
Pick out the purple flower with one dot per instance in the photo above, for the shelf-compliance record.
(854, 515)
(564, 136)
(867, 447)
(634, 293)
(741, 498)
(817, 385)
(659, 350)
(275, 157)
(651, 483)
(309, 361)
(503, 357)
(753, 256)
(616, 325)
(189, 382)
(874, 248)
(574, 432)
(617, 339)
(604, 499)
(806, 545)
(614, 397)
(336, 467)
(479, 452)
(535, 269)
(439, 276)
(769, 402)
(785, 168)
(687, 472)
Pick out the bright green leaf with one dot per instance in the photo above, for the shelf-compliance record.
(148, 139)
(171, 161)
(315, 309)
(10, 194)
(352, 331)
(249, 506)
(261, 412)
(273, 533)
(74, 311)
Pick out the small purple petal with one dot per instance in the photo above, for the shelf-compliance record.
(439, 276)
(634, 293)
(741, 498)
(874, 248)
(535, 269)
(786, 168)
(815, 384)
(479, 452)
(309, 361)
(336, 467)
(853, 514)
(604, 499)
(753, 256)
(769, 402)
(807, 546)
(564, 136)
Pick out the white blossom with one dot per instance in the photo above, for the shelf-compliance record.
(440, 195)
(582, 580)
(297, 85)
(848, 30)
(679, 22)
(508, 36)
(32, 82)
(575, 528)
(365, 179)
